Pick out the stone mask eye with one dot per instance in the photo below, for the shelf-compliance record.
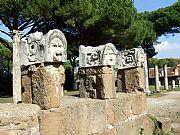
(32, 47)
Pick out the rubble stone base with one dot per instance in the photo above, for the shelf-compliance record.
(132, 79)
(97, 82)
(125, 115)
(43, 85)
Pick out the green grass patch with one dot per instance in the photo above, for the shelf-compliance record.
(158, 129)
(162, 92)
(71, 93)
(6, 100)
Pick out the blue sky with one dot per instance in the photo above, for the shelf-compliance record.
(170, 45)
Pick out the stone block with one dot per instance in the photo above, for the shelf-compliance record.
(125, 128)
(125, 106)
(148, 125)
(136, 126)
(108, 132)
(118, 109)
(97, 82)
(88, 118)
(26, 89)
(164, 124)
(47, 82)
(4, 132)
(19, 119)
(133, 79)
(75, 116)
(54, 122)
(139, 103)
(105, 86)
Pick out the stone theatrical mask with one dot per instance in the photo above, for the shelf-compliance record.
(130, 58)
(38, 48)
(102, 55)
(55, 46)
(109, 55)
(34, 43)
(89, 56)
(31, 49)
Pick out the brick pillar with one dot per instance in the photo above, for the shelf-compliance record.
(97, 82)
(26, 85)
(47, 82)
(133, 79)
(43, 84)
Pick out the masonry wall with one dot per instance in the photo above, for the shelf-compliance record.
(19, 119)
(125, 115)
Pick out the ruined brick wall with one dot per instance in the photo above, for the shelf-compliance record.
(43, 84)
(125, 115)
(19, 119)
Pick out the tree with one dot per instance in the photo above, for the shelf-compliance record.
(20, 14)
(170, 62)
(96, 22)
(92, 22)
(7, 65)
(166, 20)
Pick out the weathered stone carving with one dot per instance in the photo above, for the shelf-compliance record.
(42, 69)
(38, 48)
(130, 58)
(31, 49)
(109, 55)
(97, 56)
(55, 46)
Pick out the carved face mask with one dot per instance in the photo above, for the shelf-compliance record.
(110, 57)
(57, 50)
(32, 52)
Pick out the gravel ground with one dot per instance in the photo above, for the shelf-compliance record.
(167, 106)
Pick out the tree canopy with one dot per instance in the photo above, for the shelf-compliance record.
(166, 20)
(92, 22)
(20, 14)
(170, 62)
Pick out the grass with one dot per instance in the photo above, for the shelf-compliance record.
(6, 99)
(158, 127)
(162, 91)
(71, 92)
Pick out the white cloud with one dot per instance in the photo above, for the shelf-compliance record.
(166, 46)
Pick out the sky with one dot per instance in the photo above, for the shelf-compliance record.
(169, 46)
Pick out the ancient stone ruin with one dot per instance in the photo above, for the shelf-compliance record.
(96, 73)
(42, 58)
(131, 69)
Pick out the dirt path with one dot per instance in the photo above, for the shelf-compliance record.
(167, 106)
